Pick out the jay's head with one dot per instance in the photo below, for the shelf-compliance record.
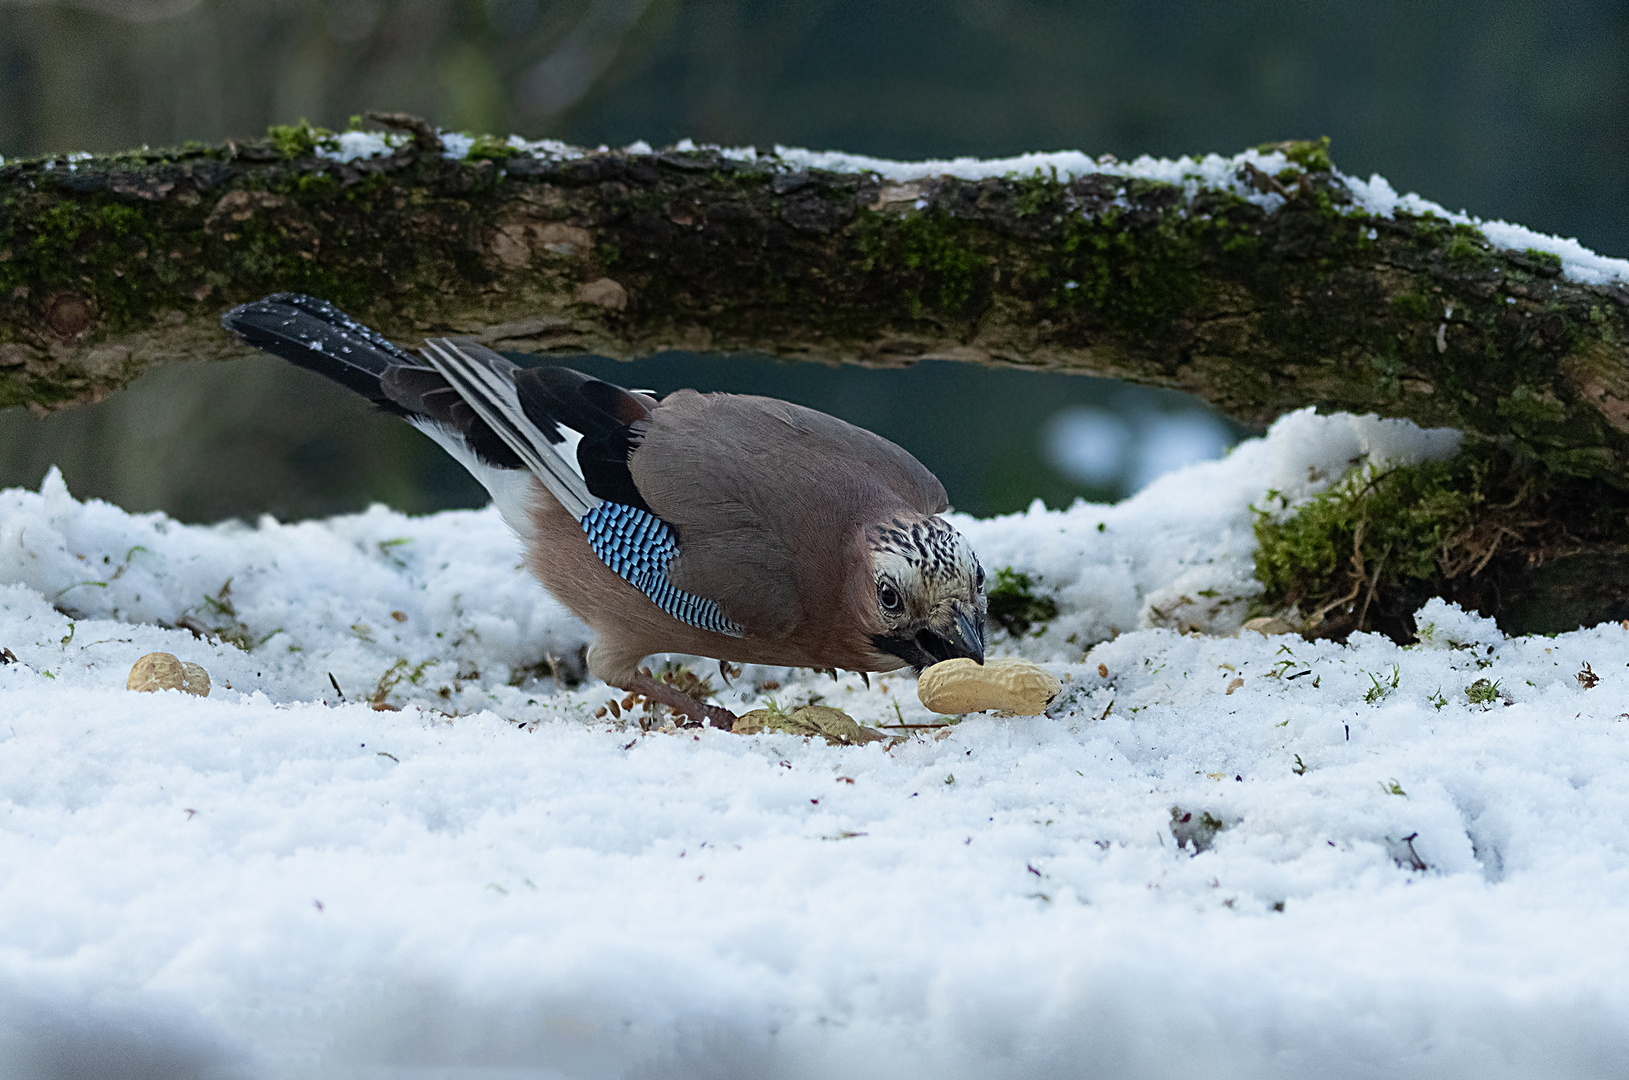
(928, 592)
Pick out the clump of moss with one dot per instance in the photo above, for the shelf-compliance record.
(931, 247)
(1372, 533)
(1411, 306)
(1014, 606)
(310, 185)
(490, 148)
(1467, 248)
(1547, 263)
(1311, 154)
(1481, 528)
(1429, 230)
(300, 140)
(1537, 415)
(68, 244)
(1035, 192)
(1138, 277)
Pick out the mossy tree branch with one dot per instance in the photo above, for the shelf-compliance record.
(109, 264)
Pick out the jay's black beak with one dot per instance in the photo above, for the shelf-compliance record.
(968, 637)
(964, 636)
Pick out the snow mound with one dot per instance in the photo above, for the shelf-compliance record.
(1444, 625)
(1245, 856)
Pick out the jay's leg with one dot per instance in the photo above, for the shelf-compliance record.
(680, 702)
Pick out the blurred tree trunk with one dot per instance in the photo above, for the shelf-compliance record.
(110, 264)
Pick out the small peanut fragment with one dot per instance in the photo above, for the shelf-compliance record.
(1008, 685)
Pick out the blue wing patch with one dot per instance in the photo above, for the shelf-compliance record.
(638, 545)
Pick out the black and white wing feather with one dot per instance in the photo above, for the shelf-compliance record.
(487, 383)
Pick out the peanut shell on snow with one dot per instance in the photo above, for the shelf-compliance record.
(834, 725)
(164, 671)
(1008, 685)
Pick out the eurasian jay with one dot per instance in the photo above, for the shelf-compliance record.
(730, 526)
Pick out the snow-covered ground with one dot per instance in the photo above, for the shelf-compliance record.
(487, 881)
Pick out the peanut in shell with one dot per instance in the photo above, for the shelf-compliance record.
(1008, 685)
(164, 671)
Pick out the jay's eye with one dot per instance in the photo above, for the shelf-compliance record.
(888, 597)
(978, 581)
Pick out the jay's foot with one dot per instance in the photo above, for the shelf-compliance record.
(697, 712)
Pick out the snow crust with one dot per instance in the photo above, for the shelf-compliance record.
(272, 882)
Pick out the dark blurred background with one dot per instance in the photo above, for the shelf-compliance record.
(1508, 108)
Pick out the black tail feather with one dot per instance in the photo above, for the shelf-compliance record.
(420, 390)
(316, 335)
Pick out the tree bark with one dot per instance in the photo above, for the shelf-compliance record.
(110, 264)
